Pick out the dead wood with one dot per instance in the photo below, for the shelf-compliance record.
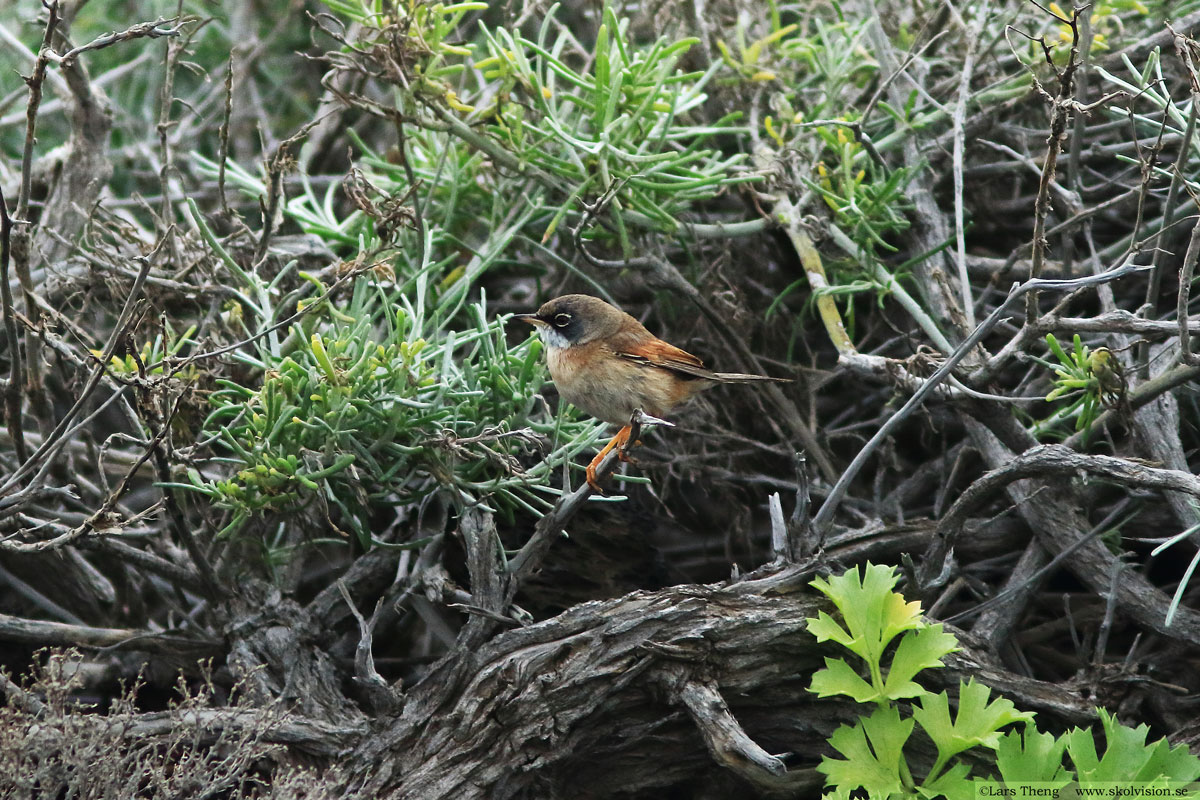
(449, 612)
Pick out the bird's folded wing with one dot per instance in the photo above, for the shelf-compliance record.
(657, 353)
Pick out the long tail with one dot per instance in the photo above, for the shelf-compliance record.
(739, 377)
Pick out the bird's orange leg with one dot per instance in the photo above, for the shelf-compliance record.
(618, 441)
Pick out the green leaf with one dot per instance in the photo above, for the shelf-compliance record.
(1081, 352)
(977, 723)
(826, 629)
(838, 677)
(918, 650)
(1032, 757)
(1127, 757)
(873, 749)
(873, 613)
(1056, 348)
(953, 784)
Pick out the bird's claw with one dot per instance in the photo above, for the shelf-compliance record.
(592, 480)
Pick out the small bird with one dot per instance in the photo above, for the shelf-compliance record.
(606, 363)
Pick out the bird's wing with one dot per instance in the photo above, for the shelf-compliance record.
(657, 353)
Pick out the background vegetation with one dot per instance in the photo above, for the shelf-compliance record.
(276, 470)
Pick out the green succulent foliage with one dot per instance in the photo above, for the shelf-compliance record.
(867, 200)
(1089, 379)
(750, 61)
(612, 131)
(426, 34)
(818, 71)
(461, 201)
(616, 129)
(150, 357)
(379, 407)
(874, 621)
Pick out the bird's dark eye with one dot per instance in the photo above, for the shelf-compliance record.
(562, 320)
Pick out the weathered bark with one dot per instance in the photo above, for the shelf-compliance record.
(699, 688)
(649, 690)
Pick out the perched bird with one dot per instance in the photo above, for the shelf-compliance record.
(606, 363)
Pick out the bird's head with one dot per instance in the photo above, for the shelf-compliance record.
(574, 319)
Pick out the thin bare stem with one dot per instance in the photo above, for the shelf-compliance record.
(1060, 108)
(824, 517)
(16, 376)
(1186, 272)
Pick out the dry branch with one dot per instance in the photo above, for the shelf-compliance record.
(626, 695)
(41, 633)
(468, 679)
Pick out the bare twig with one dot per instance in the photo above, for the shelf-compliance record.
(799, 525)
(1032, 567)
(319, 737)
(530, 556)
(779, 537)
(35, 81)
(280, 162)
(1078, 130)
(379, 692)
(727, 742)
(16, 375)
(223, 137)
(142, 30)
(166, 102)
(1060, 107)
(18, 697)
(1110, 607)
(1186, 271)
(1056, 459)
(825, 516)
(55, 440)
(959, 121)
(22, 241)
(98, 520)
(33, 631)
(1117, 321)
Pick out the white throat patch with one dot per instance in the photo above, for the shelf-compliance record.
(553, 337)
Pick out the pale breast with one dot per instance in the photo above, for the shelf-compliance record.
(618, 387)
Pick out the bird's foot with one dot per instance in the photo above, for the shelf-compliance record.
(591, 476)
(619, 442)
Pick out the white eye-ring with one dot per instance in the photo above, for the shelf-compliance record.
(562, 320)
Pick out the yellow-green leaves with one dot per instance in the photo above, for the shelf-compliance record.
(977, 724)
(153, 354)
(872, 749)
(322, 359)
(872, 617)
(746, 61)
(1127, 757)
(1089, 378)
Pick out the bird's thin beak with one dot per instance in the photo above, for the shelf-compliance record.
(532, 319)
